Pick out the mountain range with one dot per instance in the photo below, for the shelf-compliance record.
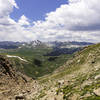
(55, 44)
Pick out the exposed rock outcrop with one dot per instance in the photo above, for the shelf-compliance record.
(6, 67)
(13, 83)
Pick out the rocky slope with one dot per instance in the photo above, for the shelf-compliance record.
(14, 85)
(78, 79)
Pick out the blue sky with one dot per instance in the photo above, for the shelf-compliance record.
(50, 20)
(35, 9)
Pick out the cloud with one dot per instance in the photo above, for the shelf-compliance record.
(81, 14)
(23, 20)
(6, 7)
(13, 3)
(76, 21)
(9, 29)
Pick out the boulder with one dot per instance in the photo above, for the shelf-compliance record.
(97, 92)
(61, 82)
(97, 77)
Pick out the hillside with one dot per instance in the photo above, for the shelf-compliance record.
(37, 58)
(13, 84)
(35, 62)
(78, 79)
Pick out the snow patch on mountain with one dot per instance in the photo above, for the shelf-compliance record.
(10, 56)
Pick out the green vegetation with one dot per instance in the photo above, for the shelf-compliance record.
(42, 94)
(76, 78)
(81, 72)
(76, 87)
(38, 65)
(93, 98)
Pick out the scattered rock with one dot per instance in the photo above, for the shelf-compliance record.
(85, 83)
(61, 82)
(59, 97)
(97, 92)
(74, 97)
(96, 67)
(97, 77)
(78, 61)
(85, 96)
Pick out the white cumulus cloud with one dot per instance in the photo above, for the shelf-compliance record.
(76, 21)
(23, 20)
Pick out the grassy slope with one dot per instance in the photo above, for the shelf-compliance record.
(30, 54)
(78, 75)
